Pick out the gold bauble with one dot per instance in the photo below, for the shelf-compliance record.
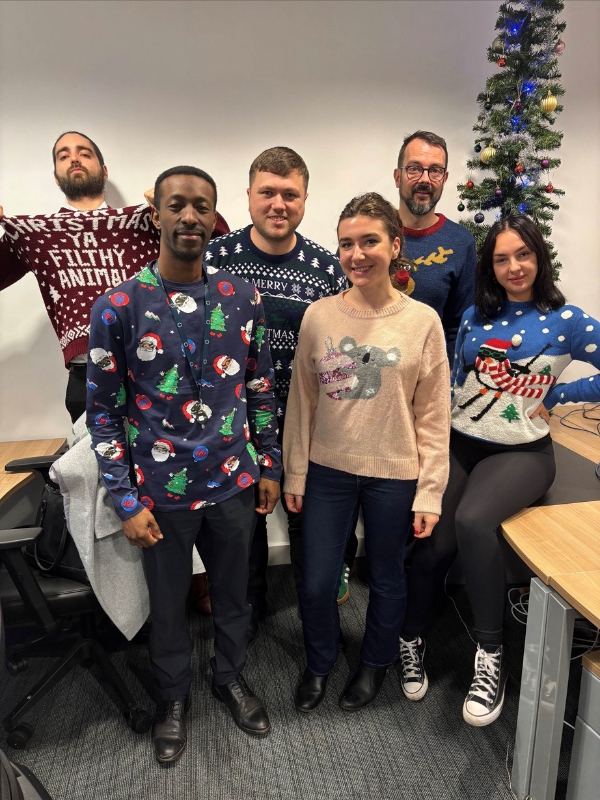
(488, 154)
(549, 103)
(498, 45)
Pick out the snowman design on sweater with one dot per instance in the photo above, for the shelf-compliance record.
(506, 366)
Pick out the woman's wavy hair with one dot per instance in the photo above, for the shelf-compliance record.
(372, 204)
(490, 297)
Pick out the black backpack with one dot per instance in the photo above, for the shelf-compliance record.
(55, 552)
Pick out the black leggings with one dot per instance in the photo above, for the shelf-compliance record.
(488, 484)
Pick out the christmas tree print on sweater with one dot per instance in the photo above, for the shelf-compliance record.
(506, 366)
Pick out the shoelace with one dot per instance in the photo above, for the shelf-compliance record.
(239, 689)
(411, 663)
(487, 671)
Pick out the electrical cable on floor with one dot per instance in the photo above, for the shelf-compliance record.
(529, 797)
(585, 412)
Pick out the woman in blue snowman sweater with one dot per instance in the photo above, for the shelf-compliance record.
(511, 349)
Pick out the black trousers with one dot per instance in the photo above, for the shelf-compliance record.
(76, 391)
(222, 534)
(488, 484)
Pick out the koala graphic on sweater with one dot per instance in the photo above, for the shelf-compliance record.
(363, 369)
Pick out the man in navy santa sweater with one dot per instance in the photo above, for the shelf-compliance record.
(178, 352)
(80, 261)
(441, 253)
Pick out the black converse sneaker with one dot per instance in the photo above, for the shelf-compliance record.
(414, 680)
(484, 702)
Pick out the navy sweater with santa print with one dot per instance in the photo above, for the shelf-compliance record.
(137, 371)
(505, 367)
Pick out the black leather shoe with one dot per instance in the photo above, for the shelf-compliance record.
(363, 688)
(169, 733)
(310, 691)
(246, 709)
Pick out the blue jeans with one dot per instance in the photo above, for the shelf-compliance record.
(331, 504)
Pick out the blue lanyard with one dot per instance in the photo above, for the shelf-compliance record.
(198, 374)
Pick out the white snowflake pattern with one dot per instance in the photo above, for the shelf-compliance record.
(309, 292)
(296, 288)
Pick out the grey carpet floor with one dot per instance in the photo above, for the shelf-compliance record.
(83, 750)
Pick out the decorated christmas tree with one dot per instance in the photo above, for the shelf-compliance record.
(121, 396)
(168, 383)
(217, 319)
(147, 276)
(259, 335)
(252, 450)
(132, 434)
(515, 138)
(226, 428)
(510, 413)
(262, 420)
(178, 482)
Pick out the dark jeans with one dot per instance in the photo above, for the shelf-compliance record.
(76, 391)
(331, 504)
(259, 554)
(222, 534)
(488, 484)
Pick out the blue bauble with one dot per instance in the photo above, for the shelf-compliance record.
(479, 218)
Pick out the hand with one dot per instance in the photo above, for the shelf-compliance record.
(293, 502)
(1, 212)
(149, 195)
(269, 493)
(541, 411)
(424, 523)
(142, 530)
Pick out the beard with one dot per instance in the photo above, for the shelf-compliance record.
(420, 209)
(80, 186)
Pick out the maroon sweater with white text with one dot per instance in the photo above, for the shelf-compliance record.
(77, 256)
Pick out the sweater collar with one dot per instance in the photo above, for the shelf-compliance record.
(441, 219)
(268, 257)
(373, 313)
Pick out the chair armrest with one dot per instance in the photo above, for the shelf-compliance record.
(15, 538)
(31, 464)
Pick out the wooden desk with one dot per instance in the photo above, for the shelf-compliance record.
(561, 544)
(12, 482)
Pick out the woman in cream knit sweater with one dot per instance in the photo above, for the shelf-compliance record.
(367, 426)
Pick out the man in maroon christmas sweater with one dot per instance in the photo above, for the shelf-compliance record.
(80, 252)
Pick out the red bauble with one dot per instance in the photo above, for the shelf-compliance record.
(469, 184)
(519, 169)
(549, 188)
(501, 62)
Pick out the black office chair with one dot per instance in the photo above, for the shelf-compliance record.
(28, 595)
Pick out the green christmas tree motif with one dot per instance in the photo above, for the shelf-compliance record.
(132, 435)
(178, 483)
(217, 321)
(226, 428)
(252, 450)
(262, 420)
(510, 413)
(546, 371)
(259, 336)
(169, 382)
(147, 276)
(121, 396)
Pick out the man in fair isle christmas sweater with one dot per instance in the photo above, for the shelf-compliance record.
(205, 441)
(78, 253)
(290, 272)
(441, 254)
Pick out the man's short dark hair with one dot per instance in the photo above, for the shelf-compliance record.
(431, 138)
(78, 133)
(199, 173)
(279, 161)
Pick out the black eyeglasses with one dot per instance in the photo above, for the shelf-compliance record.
(414, 172)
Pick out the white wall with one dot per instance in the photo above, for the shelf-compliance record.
(214, 83)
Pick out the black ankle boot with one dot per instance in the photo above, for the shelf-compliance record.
(169, 733)
(363, 688)
(310, 691)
